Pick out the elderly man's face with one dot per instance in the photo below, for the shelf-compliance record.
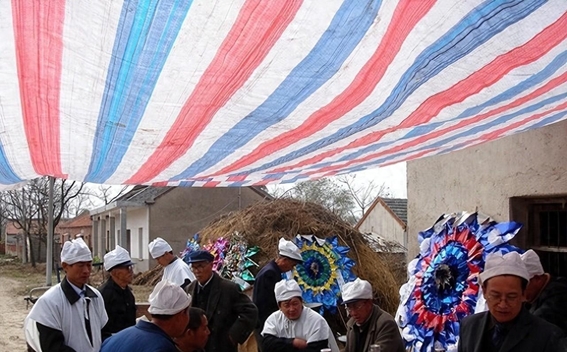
(79, 273)
(122, 275)
(292, 308)
(504, 296)
(203, 271)
(360, 310)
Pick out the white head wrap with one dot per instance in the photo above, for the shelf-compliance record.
(532, 263)
(75, 251)
(168, 298)
(118, 256)
(289, 249)
(286, 290)
(507, 264)
(355, 290)
(159, 247)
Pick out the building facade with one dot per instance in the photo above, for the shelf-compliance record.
(387, 218)
(522, 177)
(172, 213)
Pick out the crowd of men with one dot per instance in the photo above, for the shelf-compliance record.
(193, 309)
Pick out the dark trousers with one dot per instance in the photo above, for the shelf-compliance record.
(259, 338)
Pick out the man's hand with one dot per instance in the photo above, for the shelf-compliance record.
(299, 343)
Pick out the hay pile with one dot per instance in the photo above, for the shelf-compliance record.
(262, 224)
(150, 277)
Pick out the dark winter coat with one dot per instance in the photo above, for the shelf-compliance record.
(230, 313)
(120, 306)
(264, 296)
(382, 330)
(551, 304)
(526, 334)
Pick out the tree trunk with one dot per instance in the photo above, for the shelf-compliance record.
(38, 258)
(32, 257)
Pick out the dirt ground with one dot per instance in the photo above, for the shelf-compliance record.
(15, 282)
(12, 313)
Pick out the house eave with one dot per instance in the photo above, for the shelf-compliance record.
(116, 205)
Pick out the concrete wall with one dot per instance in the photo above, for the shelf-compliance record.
(137, 221)
(533, 163)
(180, 213)
(381, 222)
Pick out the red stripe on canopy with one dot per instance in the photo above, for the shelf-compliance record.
(258, 27)
(534, 49)
(406, 15)
(38, 31)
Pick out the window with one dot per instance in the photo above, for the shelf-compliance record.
(550, 236)
(545, 229)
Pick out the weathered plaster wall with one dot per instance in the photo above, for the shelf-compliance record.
(533, 163)
(177, 215)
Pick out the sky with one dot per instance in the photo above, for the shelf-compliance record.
(393, 176)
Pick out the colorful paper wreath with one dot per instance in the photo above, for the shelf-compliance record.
(443, 287)
(324, 270)
(191, 246)
(232, 257)
(237, 261)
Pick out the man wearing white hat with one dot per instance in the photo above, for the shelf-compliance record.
(169, 308)
(266, 279)
(294, 327)
(546, 296)
(70, 315)
(119, 300)
(507, 326)
(174, 269)
(368, 323)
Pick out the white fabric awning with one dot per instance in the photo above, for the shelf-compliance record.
(250, 92)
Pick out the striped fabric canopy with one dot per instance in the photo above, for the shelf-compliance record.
(250, 92)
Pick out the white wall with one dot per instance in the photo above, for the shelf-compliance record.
(135, 219)
(381, 222)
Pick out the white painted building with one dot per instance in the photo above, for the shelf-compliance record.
(172, 213)
(387, 218)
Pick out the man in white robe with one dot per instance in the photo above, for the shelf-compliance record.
(70, 315)
(174, 269)
(294, 327)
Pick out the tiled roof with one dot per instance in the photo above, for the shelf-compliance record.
(83, 220)
(399, 206)
(143, 194)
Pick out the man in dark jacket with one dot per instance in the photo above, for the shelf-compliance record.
(368, 324)
(119, 300)
(507, 326)
(230, 313)
(266, 279)
(546, 295)
(169, 308)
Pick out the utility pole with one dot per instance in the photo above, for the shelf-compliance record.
(49, 249)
